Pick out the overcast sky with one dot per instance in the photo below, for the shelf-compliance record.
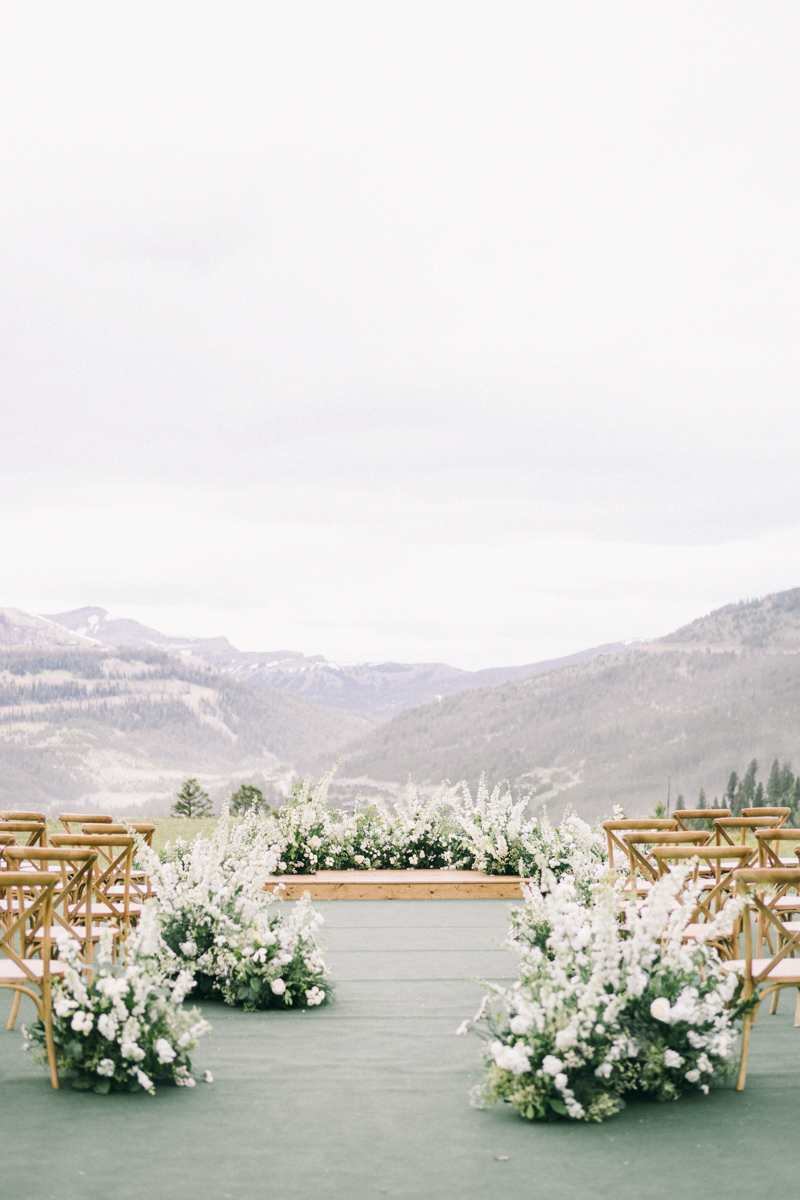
(418, 331)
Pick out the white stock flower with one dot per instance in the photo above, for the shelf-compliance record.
(462, 1029)
(132, 1051)
(673, 1059)
(511, 1058)
(164, 1051)
(82, 1022)
(552, 1065)
(692, 1075)
(520, 1024)
(108, 1025)
(106, 1067)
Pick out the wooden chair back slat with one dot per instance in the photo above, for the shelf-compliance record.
(724, 826)
(682, 815)
(70, 819)
(613, 830)
(767, 811)
(34, 831)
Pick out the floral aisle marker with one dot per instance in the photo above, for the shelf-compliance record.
(126, 1030)
(603, 1007)
(219, 924)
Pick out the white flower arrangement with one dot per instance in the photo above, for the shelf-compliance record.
(449, 829)
(605, 1006)
(126, 1030)
(218, 922)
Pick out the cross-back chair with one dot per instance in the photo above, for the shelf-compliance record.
(140, 881)
(715, 866)
(111, 881)
(615, 829)
(31, 833)
(641, 845)
(79, 819)
(72, 871)
(782, 969)
(768, 811)
(726, 828)
(682, 815)
(29, 895)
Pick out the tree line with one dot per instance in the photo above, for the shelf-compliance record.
(782, 790)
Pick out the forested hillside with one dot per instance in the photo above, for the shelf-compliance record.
(118, 728)
(677, 714)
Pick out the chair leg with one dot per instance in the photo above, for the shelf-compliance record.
(748, 1020)
(773, 1008)
(18, 997)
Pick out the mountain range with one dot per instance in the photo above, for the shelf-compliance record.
(632, 728)
(378, 689)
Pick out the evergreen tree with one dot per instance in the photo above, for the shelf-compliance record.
(775, 784)
(758, 799)
(787, 783)
(749, 782)
(248, 799)
(795, 802)
(192, 801)
(701, 799)
(730, 791)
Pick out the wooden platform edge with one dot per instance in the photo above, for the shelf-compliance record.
(497, 887)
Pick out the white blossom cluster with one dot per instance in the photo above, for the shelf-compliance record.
(126, 1029)
(607, 1003)
(218, 922)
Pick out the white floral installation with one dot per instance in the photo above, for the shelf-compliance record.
(221, 923)
(126, 1030)
(606, 1006)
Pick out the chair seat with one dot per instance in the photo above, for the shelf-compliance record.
(78, 931)
(697, 930)
(10, 971)
(103, 910)
(786, 971)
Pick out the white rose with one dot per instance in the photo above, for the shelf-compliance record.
(82, 1022)
(660, 1009)
(692, 1076)
(278, 987)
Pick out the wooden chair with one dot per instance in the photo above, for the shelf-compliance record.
(768, 842)
(72, 871)
(715, 866)
(783, 813)
(140, 881)
(614, 829)
(682, 815)
(782, 969)
(29, 895)
(642, 861)
(111, 880)
(34, 831)
(23, 816)
(725, 826)
(79, 819)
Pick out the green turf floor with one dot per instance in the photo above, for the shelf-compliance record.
(368, 1098)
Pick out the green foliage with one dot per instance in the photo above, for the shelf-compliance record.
(248, 799)
(192, 801)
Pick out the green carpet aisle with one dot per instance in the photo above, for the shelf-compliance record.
(368, 1098)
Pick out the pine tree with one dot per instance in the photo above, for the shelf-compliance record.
(787, 783)
(192, 801)
(774, 784)
(701, 799)
(248, 799)
(730, 791)
(795, 802)
(758, 799)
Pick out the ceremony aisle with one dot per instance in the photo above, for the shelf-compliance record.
(368, 1097)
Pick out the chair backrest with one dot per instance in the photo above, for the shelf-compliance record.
(23, 816)
(724, 862)
(35, 832)
(144, 828)
(614, 830)
(29, 900)
(113, 867)
(682, 815)
(783, 813)
(768, 842)
(73, 871)
(70, 819)
(779, 881)
(641, 859)
(724, 827)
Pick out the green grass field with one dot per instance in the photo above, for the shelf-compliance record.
(167, 828)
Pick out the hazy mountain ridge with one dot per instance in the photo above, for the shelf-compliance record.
(381, 689)
(116, 728)
(685, 709)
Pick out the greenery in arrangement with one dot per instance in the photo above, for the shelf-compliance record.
(238, 941)
(604, 1007)
(192, 801)
(126, 1030)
